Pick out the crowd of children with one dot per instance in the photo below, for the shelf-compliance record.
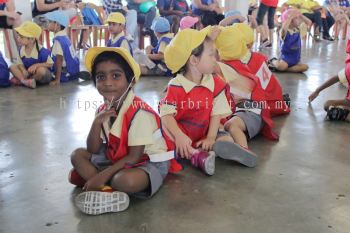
(221, 96)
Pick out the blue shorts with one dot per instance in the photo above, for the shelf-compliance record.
(290, 60)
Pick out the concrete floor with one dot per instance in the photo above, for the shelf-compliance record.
(300, 185)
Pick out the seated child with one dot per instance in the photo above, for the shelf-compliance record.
(161, 28)
(125, 148)
(257, 63)
(35, 61)
(337, 110)
(251, 116)
(116, 25)
(66, 63)
(189, 22)
(232, 17)
(195, 100)
(290, 43)
(4, 73)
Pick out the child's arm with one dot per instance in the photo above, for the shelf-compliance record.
(156, 56)
(307, 21)
(58, 67)
(208, 142)
(230, 19)
(99, 180)
(94, 141)
(32, 69)
(182, 141)
(325, 85)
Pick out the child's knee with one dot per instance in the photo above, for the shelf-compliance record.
(327, 104)
(304, 67)
(234, 124)
(78, 155)
(124, 183)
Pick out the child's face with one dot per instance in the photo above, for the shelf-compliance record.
(53, 26)
(24, 41)
(115, 28)
(111, 81)
(207, 60)
(296, 21)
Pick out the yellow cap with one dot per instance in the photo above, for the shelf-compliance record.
(29, 29)
(179, 50)
(247, 32)
(95, 51)
(116, 17)
(231, 44)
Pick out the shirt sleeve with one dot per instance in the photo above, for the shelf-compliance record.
(142, 128)
(162, 47)
(57, 49)
(168, 105)
(221, 105)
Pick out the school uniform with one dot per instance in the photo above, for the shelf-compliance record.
(4, 73)
(193, 105)
(160, 48)
(62, 46)
(257, 63)
(120, 41)
(254, 104)
(291, 48)
(137, 124)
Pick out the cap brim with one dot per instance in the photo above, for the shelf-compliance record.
(95, 51)
(23, 32)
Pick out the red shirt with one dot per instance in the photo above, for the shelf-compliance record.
(270, 3)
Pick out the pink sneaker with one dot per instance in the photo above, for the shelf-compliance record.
(204, 161)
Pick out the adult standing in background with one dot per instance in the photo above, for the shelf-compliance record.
(8, 16)
(173, 11)
(269, 7)
(42, 7)
(145, 17)
(209, 11)
(130, 16)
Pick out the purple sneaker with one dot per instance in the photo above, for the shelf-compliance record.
(204, 161)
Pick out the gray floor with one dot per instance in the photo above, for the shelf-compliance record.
(300, 185)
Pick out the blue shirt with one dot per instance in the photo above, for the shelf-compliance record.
(199, 12)
(344, 3)
(163, 4)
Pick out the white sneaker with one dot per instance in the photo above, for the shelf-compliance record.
(95, 202)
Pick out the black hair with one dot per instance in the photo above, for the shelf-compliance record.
(62, 27)
(211, 18)
(115, 58)
(197, 52)
(37, 45)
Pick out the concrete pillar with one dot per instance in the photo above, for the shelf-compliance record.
(240, 5)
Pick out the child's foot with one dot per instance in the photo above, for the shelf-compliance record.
(270, 64)
(15, 82)
(286, 99)
(235, 152)
(31, 83)
(95, 203)
(204, 161)
(337, 114)
(317, 38)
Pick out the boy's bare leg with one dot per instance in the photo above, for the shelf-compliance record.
(344, 103)
(80, 159)
(298, 68)
(130, 181)
(17, 72)
(41, 73)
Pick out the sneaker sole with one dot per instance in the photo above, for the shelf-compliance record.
(84, 75)
(233, 151)
(95, 203)
(209, 166)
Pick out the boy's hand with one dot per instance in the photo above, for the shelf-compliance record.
(313, 96)
(95, 183)
(184, 146)
(104, 115)
(12, 15)
(32, 69)
(206, 144)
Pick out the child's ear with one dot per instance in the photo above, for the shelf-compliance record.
(193, 60)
